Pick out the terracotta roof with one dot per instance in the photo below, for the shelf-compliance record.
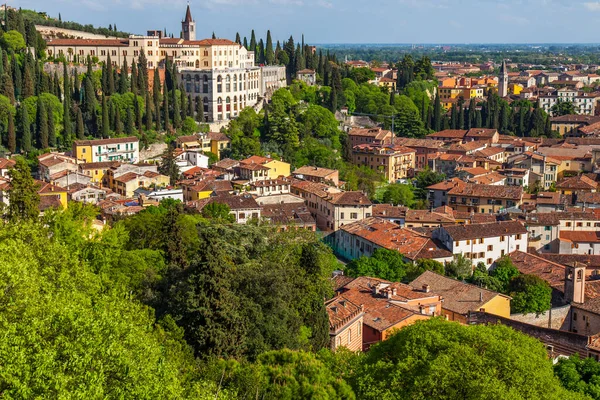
(475, 231)
(449, 134)
(426, 216)
(288, 213)
(487, 191)
(243, 202)
(591, 261)
(489, 152)
(170, 41)
(380, 311)
(580, 182)
(100, 165)
(388, 211)
(481, 132)
(305, 72)
(447, 184)
(588, 197)
(6, 163)
(414, 143)
(391, 236)
(318, 189)
(48, 202)
(349, 199)
(252, 166)
(226, 163)
(213, 42)
(458, 297)
(474, 171)
(100, 142)
(314, 171)
(218, 136)
(342, 311)
(591, 305)
(551, 272)
(127, 177)
(581, 236)
(376, 133)
(90, 42)
(468, 146)
(45, 187)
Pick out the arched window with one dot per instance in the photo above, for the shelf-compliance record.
(205, 84)
(219, 105)
(205, 104)
(197, 84)
(219, 84)
(235, 103)
(235, 83)
(228, 83)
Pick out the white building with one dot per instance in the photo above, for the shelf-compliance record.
(584, 103)
(483, 242)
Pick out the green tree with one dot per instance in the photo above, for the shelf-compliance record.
(12, 41)
(42, 126)
(384, 264)
(579, 375)
(218, 211)
(169, 166)
(562, 108)
(504, 271)
(460, 267)
(398, 194)
(414, 270)
(269, 52)
(437, 359)
(189, 126)
(530, 294)
(23, 194)
(12, 137)
(25, 130)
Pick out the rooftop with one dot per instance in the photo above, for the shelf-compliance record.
(485, 230)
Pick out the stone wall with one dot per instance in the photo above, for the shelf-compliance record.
(555, 318)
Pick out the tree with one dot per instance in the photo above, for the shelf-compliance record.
(398, 194)
(8, 89)
(414, 270)
(504, 271)
(530, 294)
(189, 126)
(105, 123)
(42, 126)
(25, 130)
(51, 130)
(408, 121)
(426, 178)
(80, 129)
(579, 375)
(437, 113)
(218, 211)
(460, 267)
(562, 108)
(384, 264)
(436, 360)
(23, 194)
(12, 41)
(269, 52)
(12, 137)
(169, 166)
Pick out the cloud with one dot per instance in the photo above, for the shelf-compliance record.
(592, 6)
(325, 4)
(513, 19)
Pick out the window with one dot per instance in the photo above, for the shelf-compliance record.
(579, 224)
(490, 247)
(456, 244)
(481, 255)
(468, 241)
(519, 236)
(342, 215)
(547, 228)
(481, 241)
(502, 238)
(353, 215)
(568, 224)
(574, 316)
(489, 260)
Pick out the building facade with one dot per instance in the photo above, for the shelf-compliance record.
(117, 149)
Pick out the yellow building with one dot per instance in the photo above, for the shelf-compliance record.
(461, 298)
(52, 195)
(114, 149)
(214, 142)
(277, 168)
(515, 88)
(126, 184)
(388, 83)
(395, 162)
(97, 170)
(197, 190)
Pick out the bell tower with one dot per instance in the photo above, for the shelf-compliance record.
(188, 25)
(575, 283)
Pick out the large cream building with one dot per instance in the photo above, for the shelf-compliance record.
(221, 72)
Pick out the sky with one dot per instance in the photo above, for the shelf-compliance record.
(348, 21)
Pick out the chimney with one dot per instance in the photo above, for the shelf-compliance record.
(426, 288)
(480, 296)
(394, 291)
(388, 293)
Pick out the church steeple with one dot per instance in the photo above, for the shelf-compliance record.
(188, 25)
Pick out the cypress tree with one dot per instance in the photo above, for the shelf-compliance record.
(7, 88)
(437, 113)
(461, 117)
(104, 79)
(548, 127)
(392, 98)
(269, 54)
(238, 39)
(184, 106)
(12, 137)
(25, 129)
(17, 78)
(333, 99)
(246, 43)
(51, 129)
(133, 79)
(105, 120)
(214, 36)
(110, 77)
(478, 120)
(89, 104)
(137, 113)
(470, 121)
(504, 118)
(57, 90)
(1, 63)
(190, 105)
(199, 110)
(28, 86)
(67, 131)
(76, 87)
(129, 128)
(42, 125)
(261, 52)
(80, 129)
(148, 113)
(453, 117)
(253, 43)
(176, 111)
(118, 123)
(166, 109)
(123, 84)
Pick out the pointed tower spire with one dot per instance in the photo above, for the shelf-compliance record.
(188, 14)
(188, 26)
